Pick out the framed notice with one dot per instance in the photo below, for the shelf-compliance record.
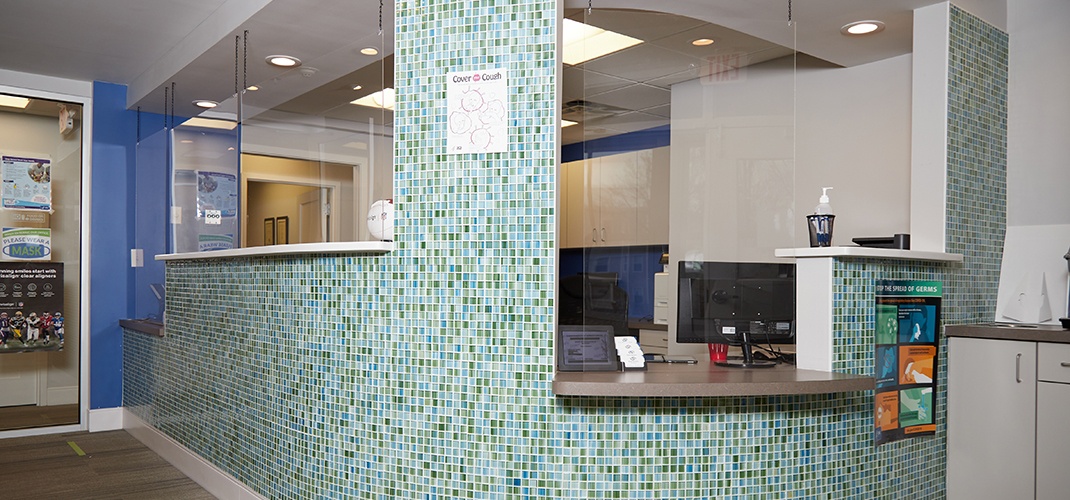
(269, 231)
(905, 359)
(27, 183)
(282, 230)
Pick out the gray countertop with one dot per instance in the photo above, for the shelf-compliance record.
(1011, 331)
(706, 380)
(146, 326)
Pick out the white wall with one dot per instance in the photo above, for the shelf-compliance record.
(742, 184)
(1038, 174)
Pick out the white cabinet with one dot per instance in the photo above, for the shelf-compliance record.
(617, 200)
(1053, 413)
(991, 427)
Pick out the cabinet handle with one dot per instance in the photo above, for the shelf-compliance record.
(594, 235)
(1065, 364)
(603, 235)
(1018, 368)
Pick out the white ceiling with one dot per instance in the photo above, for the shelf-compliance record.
(148, 44)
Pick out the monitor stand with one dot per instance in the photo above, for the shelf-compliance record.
(748, 358)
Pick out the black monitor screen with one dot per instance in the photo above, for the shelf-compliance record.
(719, 301)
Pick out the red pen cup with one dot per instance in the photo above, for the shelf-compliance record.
(718, 352)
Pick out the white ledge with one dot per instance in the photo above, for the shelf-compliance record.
(866, 252)
(362, 247)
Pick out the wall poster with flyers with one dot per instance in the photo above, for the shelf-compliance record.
(31, 306)
(906, 341)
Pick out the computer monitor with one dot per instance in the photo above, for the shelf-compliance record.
(737, 303)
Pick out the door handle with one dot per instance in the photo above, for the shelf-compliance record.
(1018, 368)
(1065, 364)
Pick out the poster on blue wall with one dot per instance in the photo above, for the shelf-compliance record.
(906, 333)
(31, 307)
(27, 183)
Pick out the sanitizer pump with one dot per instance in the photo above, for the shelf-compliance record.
(823, 207)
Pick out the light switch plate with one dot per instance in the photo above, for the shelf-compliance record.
(176, 215)
(137, 257)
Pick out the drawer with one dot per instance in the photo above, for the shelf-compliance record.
(661, 314)
(653, 337)
(1053, 362)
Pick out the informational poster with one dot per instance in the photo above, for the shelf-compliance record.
(477, 111)
(26, 243)
(217, 196)
(212, 242)
(27, 183)
(31, 307)
(907, 321)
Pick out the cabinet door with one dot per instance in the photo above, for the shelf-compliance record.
(614, 178)
(991, 418)
(574, 230)
(1053, 441)
(652, 197)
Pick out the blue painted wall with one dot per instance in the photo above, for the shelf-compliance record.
(112, 214)
(632, 141)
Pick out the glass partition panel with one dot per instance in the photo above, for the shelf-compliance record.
(152, 219)
(40, 261)
(317, 145)
(682, 150)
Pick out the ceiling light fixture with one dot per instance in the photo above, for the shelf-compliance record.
(197, 121)
(369, 51)
(357, 87)
(702, 42)
(283, 61)
(381, 99)
(862, 28)
(14, 102)
(583, 42)
(205, 103)
(568, 123)
(252, 88)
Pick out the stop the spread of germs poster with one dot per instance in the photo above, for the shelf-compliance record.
(906, 336)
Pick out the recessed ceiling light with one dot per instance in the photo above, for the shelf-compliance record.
(252, 88)
(14, 102)
(862, 28)
(702, 42)
(382, 99)
(283, 61)
(583, 42)
(186, 141)
(357, 87)
(568, 123)
(369, 51)
(205, 103)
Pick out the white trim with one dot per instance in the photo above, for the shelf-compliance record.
(364, 247)
(928, 139)
(40, 431)
(211, 478)
(813, 314)
(105, 419)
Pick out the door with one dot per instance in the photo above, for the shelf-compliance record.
(18, 379)
(314, 212)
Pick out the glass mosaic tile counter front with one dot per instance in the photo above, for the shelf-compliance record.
(706, 380)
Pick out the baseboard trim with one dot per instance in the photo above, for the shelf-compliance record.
(211, 478)
(61, 395)
(105, 419)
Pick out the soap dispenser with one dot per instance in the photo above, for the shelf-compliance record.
(820, 223)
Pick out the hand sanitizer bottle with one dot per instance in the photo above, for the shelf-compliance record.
(823, 207)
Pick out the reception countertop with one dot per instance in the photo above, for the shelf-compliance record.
(704, 379)
(1011, 331)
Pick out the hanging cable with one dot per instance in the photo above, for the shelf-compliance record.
(236, 38)
(137, 133)
(789, 12)
(380, 17)
(589, 2)
(172, 104)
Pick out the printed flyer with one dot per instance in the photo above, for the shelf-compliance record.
(26, 243)
(217, 195)
(27, 183)
(905, 358)
(31, 307)
(477, 111)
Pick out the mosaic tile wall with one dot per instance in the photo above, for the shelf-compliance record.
(425, 373)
